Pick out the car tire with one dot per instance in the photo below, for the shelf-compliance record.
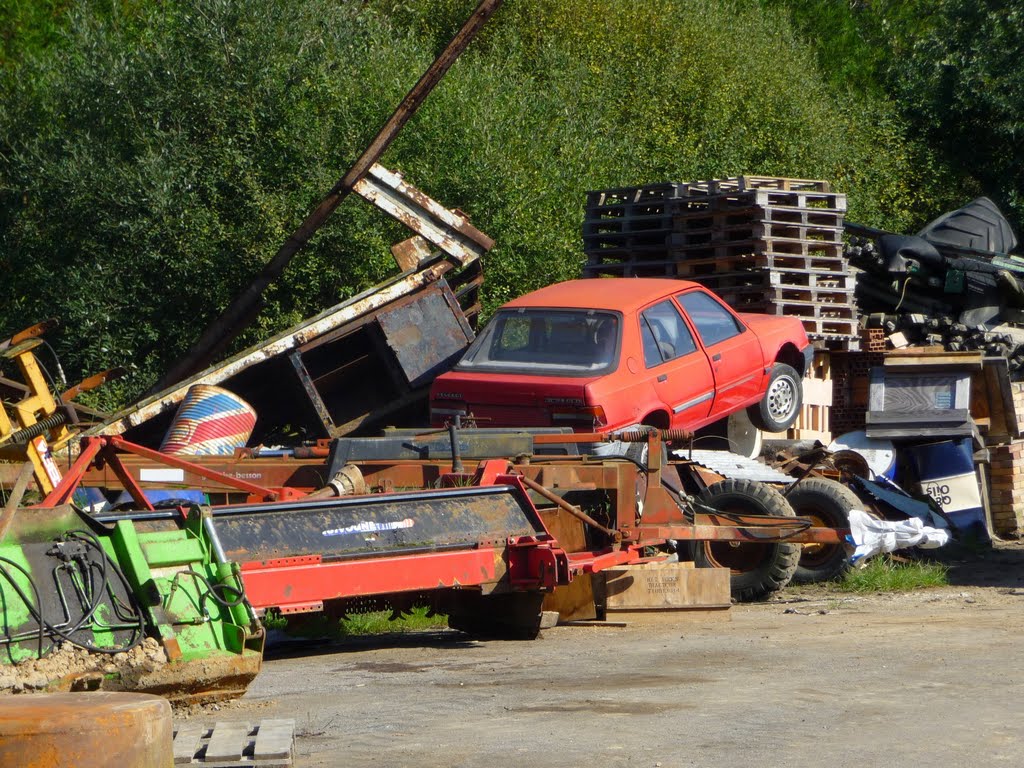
(828, 504)
(758, 570)
(783, 397)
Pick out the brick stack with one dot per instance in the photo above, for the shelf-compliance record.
(767, 245)
(872, 340)
(1006, 478)
(851, 381)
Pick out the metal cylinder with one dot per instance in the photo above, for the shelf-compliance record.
(210, 422)
(86, 730)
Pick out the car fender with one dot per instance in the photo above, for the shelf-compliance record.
(782, 339)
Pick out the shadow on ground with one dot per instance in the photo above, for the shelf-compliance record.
(998, 565)
(281, 646)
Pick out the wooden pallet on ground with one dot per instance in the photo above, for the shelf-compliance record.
(267, 745)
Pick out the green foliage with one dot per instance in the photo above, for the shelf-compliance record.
(146, 175)
(962, 82)
(357, 624)
(153, 156)
(883, 574)
(951, 69)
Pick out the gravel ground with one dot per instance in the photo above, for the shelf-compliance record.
(815, 678)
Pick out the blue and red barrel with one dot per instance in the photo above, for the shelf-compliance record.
(210, 421)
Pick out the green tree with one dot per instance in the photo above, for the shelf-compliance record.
(962, 82)
(153, 158)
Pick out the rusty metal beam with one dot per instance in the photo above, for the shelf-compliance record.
(439, 226)
(223, 330)
(293, 338)
(311, 392)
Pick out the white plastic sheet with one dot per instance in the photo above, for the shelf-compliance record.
(872, 536)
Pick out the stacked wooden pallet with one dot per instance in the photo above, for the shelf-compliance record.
(768, 245)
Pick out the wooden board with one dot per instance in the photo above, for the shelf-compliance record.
(997, 393)
(668, 586)
(566, 529)
(926, 358)
(574, 601)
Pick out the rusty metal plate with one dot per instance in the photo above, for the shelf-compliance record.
(426, 337)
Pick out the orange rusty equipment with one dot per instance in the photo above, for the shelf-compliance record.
(86, 730)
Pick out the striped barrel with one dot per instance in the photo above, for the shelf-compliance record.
(210, 422)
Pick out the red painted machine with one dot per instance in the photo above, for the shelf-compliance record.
(473, 545)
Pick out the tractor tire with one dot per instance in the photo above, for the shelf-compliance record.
(783, 397)
(758, 570)
(828, 504)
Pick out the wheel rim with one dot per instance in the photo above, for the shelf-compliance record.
(816, 555)
(782, 398)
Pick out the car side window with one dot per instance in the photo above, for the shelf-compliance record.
(665, 335)
(713, 321)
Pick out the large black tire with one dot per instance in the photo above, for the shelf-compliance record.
(828, 504)
(780, 406)
(757, 570)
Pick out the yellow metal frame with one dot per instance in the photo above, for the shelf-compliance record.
(36, 406)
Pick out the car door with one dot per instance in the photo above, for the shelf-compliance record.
(679, 369)
(732, 348)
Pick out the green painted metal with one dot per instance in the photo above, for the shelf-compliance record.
(191, 602)
(13, 610)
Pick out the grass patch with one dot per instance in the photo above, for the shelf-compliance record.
(377, 623)
(357, 624)
(883, 574)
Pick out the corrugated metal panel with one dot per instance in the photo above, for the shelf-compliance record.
(734, 466)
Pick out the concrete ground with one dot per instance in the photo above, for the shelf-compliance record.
(815, 678)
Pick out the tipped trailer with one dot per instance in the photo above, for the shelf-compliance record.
(472, 543)
(623, 504)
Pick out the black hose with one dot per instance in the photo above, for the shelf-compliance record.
(93, 599)
(212, 589)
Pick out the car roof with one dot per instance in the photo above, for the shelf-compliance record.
(616, 293)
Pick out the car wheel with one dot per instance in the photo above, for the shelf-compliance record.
(780, 406)
(828, 504)
(757, 570)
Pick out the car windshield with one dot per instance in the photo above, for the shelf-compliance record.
(546, 342)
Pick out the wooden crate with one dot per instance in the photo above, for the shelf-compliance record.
(665, 587)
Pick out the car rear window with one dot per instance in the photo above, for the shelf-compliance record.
(546, 342)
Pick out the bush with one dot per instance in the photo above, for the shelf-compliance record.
(152, 159)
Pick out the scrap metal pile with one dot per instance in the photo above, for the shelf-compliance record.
(955, 283)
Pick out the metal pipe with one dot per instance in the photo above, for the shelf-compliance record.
(453, 438)
(211, 532)
(563, 504)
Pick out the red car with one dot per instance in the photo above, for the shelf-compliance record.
(611, 353)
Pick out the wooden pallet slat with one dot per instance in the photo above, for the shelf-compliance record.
(274, 739)
(186, 742)
(235, 744)
(744, 183)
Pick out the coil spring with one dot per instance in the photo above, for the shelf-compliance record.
(39, 428)
(641, 435)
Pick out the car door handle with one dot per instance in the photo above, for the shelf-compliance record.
(716, 358)
(663, 377)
